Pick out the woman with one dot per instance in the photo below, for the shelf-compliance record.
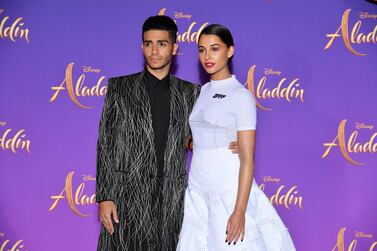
(224, 208)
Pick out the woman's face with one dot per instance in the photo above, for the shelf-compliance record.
(214, 55)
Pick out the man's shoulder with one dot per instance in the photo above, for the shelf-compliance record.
(187, 84)
(182, 81)
(129, 77)
(123, 82)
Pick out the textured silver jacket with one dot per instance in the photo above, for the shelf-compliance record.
(126, 164)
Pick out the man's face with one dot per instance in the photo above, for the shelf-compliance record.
(158, 49)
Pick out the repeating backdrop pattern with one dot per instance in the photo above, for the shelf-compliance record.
(311, 66)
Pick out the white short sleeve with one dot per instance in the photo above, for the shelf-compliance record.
(244, 108)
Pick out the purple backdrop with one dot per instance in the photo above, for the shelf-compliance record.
(312, 68)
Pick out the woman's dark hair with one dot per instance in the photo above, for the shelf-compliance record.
(161, 23)
(222, 32)
(219, 30)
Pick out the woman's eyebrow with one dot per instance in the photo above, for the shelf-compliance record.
(210, 45)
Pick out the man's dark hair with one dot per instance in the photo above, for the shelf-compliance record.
(161, 23)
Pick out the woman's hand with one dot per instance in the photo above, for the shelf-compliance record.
(235, 228)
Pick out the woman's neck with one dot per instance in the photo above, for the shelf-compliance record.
(222, 74)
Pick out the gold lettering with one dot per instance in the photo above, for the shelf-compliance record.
(363, 235)
(88, 178)
(369, 146)
(363, 125)
(341, 246)
(16, 142)
(355, 38)
(290, 198)
(190, 37)
(79, 199)
(13, 31)
(352, 145)
(181, 15)
(262, 92)
(262, 186)
(344, 26)
(354, 31)
(162, 12)
(364, 15)
(78, 193)
(329, 146)
(187, 36)
(196, 34)
(56, 199)
(79, 85)
(16, 246)
(371, 37)
(271, 72)
(90, 69)
(342, 145)
(332, 37)
(270, 179)
(2, 248)
(373, 246)
(250, 86)
(78, 90)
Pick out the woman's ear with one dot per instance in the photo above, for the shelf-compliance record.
(230, 51)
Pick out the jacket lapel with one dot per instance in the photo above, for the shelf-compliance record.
(176, 114)
(145, 112)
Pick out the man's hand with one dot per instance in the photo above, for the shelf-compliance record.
(234, 147)
(189, 143)
(107, 209)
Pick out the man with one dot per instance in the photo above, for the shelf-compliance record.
(141, 167)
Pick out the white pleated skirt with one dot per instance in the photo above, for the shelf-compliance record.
(209, 201)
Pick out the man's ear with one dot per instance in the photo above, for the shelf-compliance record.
(175, 48)
(230, 51)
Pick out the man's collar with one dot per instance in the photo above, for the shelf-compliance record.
(152, 79)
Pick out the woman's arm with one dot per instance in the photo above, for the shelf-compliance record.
(236, 222)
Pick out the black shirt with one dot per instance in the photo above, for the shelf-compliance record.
(159, 97)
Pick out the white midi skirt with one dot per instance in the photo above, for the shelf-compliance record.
(209, 201)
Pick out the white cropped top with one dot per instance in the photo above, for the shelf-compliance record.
(222, 108)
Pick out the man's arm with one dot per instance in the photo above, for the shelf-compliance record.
(192, 93)
(106, 150)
